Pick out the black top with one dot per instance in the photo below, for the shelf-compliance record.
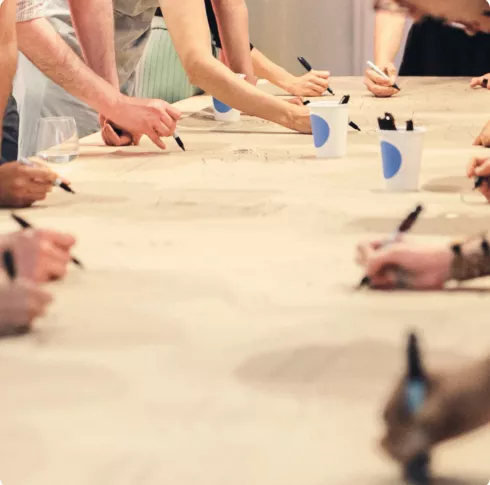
(435, 49)
(213, 24)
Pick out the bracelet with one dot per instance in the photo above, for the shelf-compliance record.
(472, 264)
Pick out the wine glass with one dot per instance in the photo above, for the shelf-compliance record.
(57, 139)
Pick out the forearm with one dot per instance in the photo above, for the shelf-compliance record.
(388, 36)
(40, 43)
(266, 69)
(8, 55)
(94, 24)
(232, 19)
(187, 24)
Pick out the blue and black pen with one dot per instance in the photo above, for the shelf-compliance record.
(308, 67)
(417, 470)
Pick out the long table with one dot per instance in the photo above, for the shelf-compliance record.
(215, 337)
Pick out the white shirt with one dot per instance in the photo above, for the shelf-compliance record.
(29, 9)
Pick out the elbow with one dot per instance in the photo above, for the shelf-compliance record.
(195, 67)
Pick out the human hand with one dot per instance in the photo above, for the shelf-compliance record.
(479, 81)
(22, 185)
(295, 101)
(139, 116)
(299, 119)
(21, 302)
(378, 85)
(40, 255)
(113, 136)
(480, 167)
(313, 83)
(483, 138)
(456, 403)
(420, 267)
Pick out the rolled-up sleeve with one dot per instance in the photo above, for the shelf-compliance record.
(30, 9)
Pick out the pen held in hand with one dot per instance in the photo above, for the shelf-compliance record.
(9, 264)
(26, 225)
(119, 132)
(308, 67)
(416, 470)
(405, 226)
(58, 182)
(377, 70)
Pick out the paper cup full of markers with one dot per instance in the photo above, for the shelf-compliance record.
(329, 123)
(223, 112)
(401, 154)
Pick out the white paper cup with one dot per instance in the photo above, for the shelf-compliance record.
(223, 112)
(329, 123)
(401, 154)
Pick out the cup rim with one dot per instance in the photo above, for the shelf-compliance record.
(417, 129)
(327, 104)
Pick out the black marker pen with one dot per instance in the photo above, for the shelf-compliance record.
(308, 67)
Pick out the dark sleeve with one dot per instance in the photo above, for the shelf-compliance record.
(213, 24)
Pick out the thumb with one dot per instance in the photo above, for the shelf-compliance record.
(476, 81)
(381, 260)
(483, 169)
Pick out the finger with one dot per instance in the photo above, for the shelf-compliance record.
(478, 140)
(320, 82)
(473, 164)
(315, 88)
(38, 193)
(174, 112)
(476, 81)
(377, 79)
(322, 74)
(161, 130)
(60, 239)
(483, 168)
(168, 123)
(156, 140)
(386, 279)
(382, 260)
(42, 175)
(111, 138)
(379, 91)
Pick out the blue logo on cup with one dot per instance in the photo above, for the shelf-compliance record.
(392, 159)
(221, 107)
(321, 130)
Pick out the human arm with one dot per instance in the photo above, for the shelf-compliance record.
(8, 55)
(232, 19)
(42, 45)
(21, 302)
(188, 27)
(388, 37)
(40, 255)
(94, 24)
(313, 83)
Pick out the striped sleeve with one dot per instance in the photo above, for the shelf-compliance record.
(30, 9)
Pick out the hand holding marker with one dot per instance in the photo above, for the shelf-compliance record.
(25, 225)
(58, 182)
(377, 70)
(120, 132)
(308, 67)
(405, 226)
(416, 470)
